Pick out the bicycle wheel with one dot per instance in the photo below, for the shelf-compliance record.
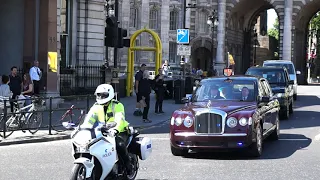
(34, 122)
(9, 130)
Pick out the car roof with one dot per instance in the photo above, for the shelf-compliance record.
(268, 67)
(277, 62)
(235, 77)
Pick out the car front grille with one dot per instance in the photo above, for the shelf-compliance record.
(208, 123)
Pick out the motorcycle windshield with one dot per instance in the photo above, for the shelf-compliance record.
(83, 137)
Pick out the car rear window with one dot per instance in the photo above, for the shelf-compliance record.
(289, 67)
(269, 73)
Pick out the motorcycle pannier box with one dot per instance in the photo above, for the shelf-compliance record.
(145, 147)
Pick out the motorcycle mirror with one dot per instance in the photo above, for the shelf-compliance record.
(68, 125)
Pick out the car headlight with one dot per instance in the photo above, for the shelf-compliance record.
(280, 95)
(188, 122)
(232, 122)
(178, 121)
(243, 121)
(172, 121)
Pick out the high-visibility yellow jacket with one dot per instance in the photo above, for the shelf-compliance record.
(115, 112)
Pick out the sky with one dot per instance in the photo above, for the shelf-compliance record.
(272, 16)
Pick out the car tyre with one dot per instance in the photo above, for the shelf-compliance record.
(295, 96)
(276, 133)
(177, 151)
(255, 150)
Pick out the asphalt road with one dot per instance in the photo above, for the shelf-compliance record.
(294, 157)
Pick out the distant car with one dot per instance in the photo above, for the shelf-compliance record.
(231, 113)
(281, 86)
(291, 70)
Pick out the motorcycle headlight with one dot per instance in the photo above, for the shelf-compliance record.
(188, 122)
(82, 138)
(232, 122)
(243, 121)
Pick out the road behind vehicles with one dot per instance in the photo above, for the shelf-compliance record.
(280, 84)
(291, 70)
(218, 117)
(96, 156)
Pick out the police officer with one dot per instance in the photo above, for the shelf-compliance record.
(105, 110)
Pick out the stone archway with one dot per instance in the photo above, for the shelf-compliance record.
(244, 15)
(201, 54)
(303, 13)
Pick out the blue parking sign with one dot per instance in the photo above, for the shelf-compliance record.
(183, 36)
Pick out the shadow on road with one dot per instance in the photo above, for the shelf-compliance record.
(283, 148)
(306, 100)
(301, 119)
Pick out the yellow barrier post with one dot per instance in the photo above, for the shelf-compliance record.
(130, 64)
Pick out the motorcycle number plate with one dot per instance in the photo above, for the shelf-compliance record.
(81, 150)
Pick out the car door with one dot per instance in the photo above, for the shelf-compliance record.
(267, 106)
(263, 108)
(273, 105)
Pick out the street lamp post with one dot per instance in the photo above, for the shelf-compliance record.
(256, 43)
(212, 22)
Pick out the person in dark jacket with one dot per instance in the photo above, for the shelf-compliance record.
(145, 91)
(160, 90)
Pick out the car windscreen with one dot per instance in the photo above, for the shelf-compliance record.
(274, 76)
(289, 67)
(225, 89)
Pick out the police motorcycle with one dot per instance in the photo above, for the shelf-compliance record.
(96, 158)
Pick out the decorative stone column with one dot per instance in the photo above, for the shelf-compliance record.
(220, 63)
(287, 31)
(165, 17)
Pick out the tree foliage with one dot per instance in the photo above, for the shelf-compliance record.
(274, 31)
(315, 21)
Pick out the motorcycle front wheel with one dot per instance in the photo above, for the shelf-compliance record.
(79, 173)
(135, 162)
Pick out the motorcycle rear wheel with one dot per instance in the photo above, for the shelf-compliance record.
(79, 173)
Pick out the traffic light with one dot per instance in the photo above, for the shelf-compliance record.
(122, 33)
(110, 32)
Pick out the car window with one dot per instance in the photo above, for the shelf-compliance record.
(274, 76)
(225, 89)
(289, 67)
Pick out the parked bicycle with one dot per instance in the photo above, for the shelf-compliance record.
(67, 119)
(23, 118)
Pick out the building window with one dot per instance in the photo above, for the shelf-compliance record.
(202, 19)
(133, 17)
(153, 18)
(65, 33)
(151, 53)
(174, 15)
(173, 57)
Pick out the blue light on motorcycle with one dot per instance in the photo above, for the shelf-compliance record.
(240, 144)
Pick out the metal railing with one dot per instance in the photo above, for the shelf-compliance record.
(48, 110)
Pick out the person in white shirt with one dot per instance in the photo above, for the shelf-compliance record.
(35, 75)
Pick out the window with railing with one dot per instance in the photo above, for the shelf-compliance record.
(173, 57)
(174, 16)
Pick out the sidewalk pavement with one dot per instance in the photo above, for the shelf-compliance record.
(129, 103)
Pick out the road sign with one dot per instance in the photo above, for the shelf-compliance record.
(183, 50)
(183, 36)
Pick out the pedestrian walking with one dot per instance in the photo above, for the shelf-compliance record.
(159, 90)
(144, 92)
(35, 75)
(138, 78)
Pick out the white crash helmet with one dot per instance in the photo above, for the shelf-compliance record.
(104, 93)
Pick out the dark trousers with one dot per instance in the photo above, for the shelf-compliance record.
(146, 109)
(14, 96)
(159, 101)
(36, 87)
(121, 145)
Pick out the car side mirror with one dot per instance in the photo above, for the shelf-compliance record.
(298, 72)
(185, 100)
(264, 99)
(291, 82)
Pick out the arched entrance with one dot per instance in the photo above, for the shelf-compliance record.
(247, 38)
(201, 54)
(301, 31)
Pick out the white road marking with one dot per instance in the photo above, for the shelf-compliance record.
(160, 138)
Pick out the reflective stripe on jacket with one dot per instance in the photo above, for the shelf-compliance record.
(115, 112)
